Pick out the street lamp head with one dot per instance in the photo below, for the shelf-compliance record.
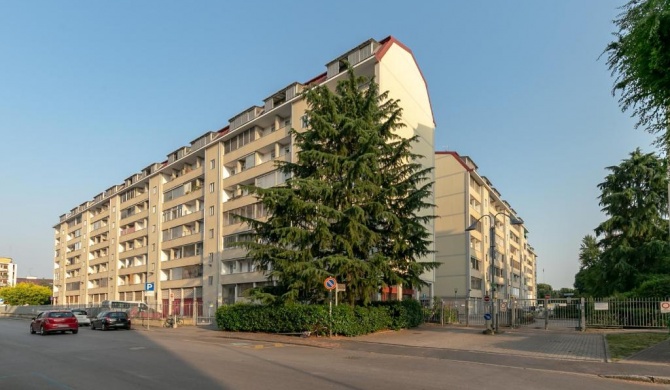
(515, 221)
(473, 226)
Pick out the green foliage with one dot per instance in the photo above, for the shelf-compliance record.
(623, 345)
(633, 245)
(543, 290)
(657, 286)
(354, 205)
(296, 318)
(26, 294)
(639, 57)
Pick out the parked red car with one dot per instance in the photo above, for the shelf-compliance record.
(54, 321)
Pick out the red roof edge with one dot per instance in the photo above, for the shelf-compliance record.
(457, 157)
(223, 131)
(317, 79)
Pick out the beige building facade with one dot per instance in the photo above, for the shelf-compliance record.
(8, 271)
(463, 197)
(170, 226)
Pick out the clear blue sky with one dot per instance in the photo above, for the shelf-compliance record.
(92, 92)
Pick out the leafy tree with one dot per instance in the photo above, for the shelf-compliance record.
(658, 286)
(354, 206)
(569, 292)
(639, 57)
(543, 290)
(26, 294)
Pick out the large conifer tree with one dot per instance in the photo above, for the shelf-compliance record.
(354, 206)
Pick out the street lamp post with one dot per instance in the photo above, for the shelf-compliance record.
(492, 257)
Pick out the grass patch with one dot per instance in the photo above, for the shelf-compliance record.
(623, 345)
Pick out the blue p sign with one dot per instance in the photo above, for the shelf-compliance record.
(149, 287)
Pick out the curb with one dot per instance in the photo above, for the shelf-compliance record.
(640, 378)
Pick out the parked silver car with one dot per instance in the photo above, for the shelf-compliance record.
(82, 317)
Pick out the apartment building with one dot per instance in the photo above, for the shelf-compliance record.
(171, 224)
(7, 272)
(463, 197)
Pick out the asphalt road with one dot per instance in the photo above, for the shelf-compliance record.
(183, 359)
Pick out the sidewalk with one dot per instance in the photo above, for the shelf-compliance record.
(569, 351)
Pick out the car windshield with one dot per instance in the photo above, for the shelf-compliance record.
(60, 314)
(79, 312)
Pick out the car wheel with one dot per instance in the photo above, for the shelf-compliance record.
(32, 331)
(75, 331)
(128, 327)
(42, 332)
(104, 326)
(92, 327)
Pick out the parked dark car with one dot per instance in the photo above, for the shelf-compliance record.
(52, 321)
(111, 320)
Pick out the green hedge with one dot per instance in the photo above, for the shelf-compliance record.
(347, 320)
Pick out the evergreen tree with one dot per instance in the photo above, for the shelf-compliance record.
(589, 280)
(633, 243)
(354, 206)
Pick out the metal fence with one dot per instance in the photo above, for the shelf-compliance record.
(158, 314)
(629, 313)
(552, 313)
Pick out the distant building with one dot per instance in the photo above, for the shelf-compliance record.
(463, 197)
(7, 272)
(34, 280)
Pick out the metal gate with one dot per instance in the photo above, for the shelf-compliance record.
(554, 313)
(558, 314)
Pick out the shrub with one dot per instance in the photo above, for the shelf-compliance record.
(295, 318)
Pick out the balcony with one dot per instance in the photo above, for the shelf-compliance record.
(181, 262)
(185, 176)
(182, 283)
(136, 251)
(196, 193)
(132, 234)
(183, 240)
(184, 219)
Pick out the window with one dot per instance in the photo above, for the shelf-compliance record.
(211, 210)
(210, 280)
(211, 187)
(212, 163)
(211, 233)
(229, 241)
(304, 121)
(475, 283)
(153, 209)
(154, 190)
(475, 263)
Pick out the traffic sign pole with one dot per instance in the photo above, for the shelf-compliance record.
(330, 284)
